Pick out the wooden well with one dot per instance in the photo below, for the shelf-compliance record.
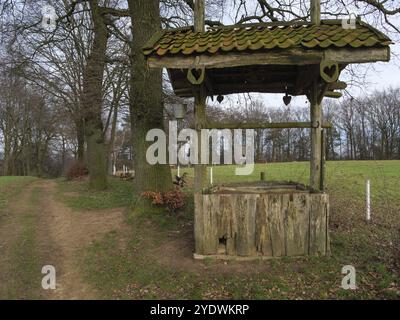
(269, 220)
(261, 220)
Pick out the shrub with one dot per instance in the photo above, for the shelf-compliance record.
(76, 171)
(173, 200)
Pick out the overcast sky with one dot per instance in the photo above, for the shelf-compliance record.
(378, 76)
(388, 74)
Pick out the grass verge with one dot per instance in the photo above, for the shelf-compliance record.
(153, 259)
(24, 283)
(10, 187)
(76, 195)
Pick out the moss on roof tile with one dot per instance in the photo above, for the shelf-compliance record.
(264, 37)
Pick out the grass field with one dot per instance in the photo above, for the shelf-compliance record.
(76, 195)
(22, 261)
(10, 186)
(152, 257)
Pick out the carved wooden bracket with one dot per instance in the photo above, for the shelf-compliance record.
(329, 71)
(196, 76)
(333, 94)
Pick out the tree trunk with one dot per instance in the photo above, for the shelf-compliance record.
(146, 107)
(39, 161)
(7, 151)
(92, 102)
(110, 147)
(80, 137)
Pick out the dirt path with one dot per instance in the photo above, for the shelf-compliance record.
(60, 236)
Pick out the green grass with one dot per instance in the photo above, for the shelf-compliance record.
(26, 278)
(11, 186)
(77, 195)
(139, 270)
(341, 176)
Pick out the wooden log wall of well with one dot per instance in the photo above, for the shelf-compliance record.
(265, 224)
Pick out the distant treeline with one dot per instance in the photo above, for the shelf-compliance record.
(363, 128)
(36, 137)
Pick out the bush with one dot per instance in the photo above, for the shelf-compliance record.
(173, 200)
(77, 170)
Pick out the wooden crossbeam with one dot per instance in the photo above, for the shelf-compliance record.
(272, 57)
(265, 125)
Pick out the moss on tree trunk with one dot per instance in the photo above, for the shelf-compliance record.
(92, 102)
(146, 106)
(80, 137)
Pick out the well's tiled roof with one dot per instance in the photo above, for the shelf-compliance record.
(264, 37)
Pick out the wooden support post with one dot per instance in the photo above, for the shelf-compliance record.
(316, 12)
(316, 138)
(200, 171)
(323, 159)
(199, 15)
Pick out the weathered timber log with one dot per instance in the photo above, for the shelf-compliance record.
(319, 214)
(291, 223)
